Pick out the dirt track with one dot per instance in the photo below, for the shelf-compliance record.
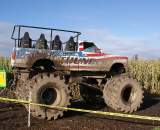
(16, 118)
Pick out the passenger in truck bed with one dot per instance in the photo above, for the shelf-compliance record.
(41, 42)
(26, 41)
(56, 43)
(70, 45)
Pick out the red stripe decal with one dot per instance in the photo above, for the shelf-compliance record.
(95, 54)
(84, 67)
(113, 58)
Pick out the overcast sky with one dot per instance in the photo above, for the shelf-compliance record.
(124, 27)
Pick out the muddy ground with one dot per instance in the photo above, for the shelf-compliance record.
(14, 117)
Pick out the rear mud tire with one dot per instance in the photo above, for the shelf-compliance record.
(123, 94)
(46, 89)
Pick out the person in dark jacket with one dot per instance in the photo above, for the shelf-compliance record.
(41, 42)
(26, 41)
(70, 45)
(56, 43)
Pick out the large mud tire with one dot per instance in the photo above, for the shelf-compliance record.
(123, 94)
(46, 89)
(50, 90)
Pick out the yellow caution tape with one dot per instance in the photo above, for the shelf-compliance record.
(83, 110)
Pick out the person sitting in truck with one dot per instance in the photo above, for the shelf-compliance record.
(41, 42)
(56, 43)
(26, 41)
(70, 45)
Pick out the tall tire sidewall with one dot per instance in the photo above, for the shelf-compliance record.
(62, 98)
(113, 94)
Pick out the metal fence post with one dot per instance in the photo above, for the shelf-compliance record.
(29, 110)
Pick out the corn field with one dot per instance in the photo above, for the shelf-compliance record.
(147, 73)
(5, 63)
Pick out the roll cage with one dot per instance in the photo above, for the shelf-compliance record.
(17, 33)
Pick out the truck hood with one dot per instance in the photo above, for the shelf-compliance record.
(105, 56)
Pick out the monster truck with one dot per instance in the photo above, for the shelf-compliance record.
(50, 68)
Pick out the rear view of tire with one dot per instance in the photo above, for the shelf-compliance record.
(123, 94)
(49, 90)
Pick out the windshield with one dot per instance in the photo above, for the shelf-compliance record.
(90, 47)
